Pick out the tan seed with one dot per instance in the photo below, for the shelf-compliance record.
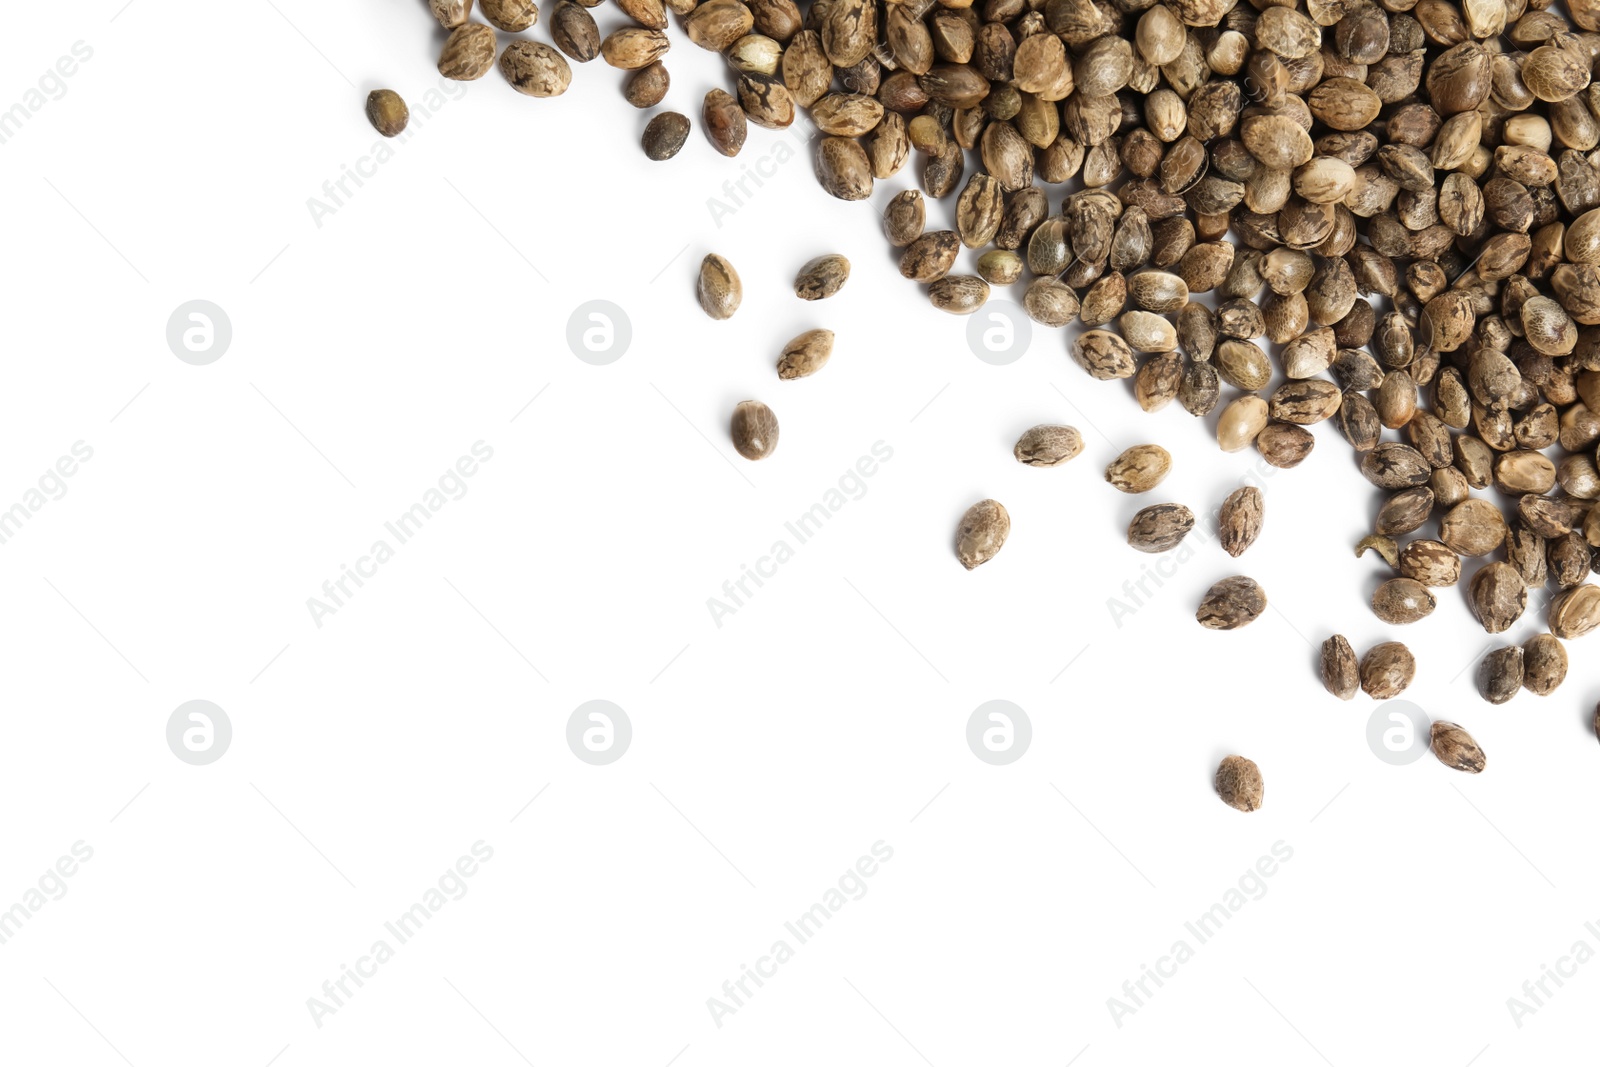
(1239, 784)
(805, 355)
(468, 52)
(718, 288)
(1139, 469)
(982, 532)
(1048, 446)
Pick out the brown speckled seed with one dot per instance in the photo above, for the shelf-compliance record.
(1387, 669)
(805, 355)
(1239, 783)
(755, 430)
(1341, 674)
(1047, 446)
(1455, 748)
(822, 277)
(664, 135)
(982, 533)
(647, 86)
(1232, 603)
(535, 69)
(719, 289)
(1402, 600)
(468, 53)
(387, 112)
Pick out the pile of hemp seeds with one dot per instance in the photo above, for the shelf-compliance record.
(1395, 207)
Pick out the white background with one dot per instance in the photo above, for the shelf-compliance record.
(829, 713)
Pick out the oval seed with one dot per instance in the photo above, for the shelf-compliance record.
(665, 134)
(822, 277)
(1455, 748)
(1340, 672)
(1231, 603)
(1048, 446)
(1400, 601)
(1139, 469)
(982, 532)
(755, 430)
(1387, 669)
(1160, 527)
(1239, 521)
(387, 112)
(1239, 784)
(719, 289)
(805, 355)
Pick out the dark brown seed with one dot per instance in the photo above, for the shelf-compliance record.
(755, 430)
(1048, 446)
(1239, 521)
(1544, 664)
(1387, 669)
(1395, 466)
(647, 86)
(822, 277)
(1405, 511)
(387, 112)
(1402, 600)
(1231, 603)
(574, 31)
(1341, 674)
(767, 103)
(1500, 674)
(1498, 596)
(982, 532)
(1284, 444)
(930, 256)
(1160, 527)
(724, 121)
(1239, 783)
(665, 134)
(1455, 748)
(843, 168)
(904, 219)
(958, 294)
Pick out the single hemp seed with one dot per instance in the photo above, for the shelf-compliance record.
(387, 112)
